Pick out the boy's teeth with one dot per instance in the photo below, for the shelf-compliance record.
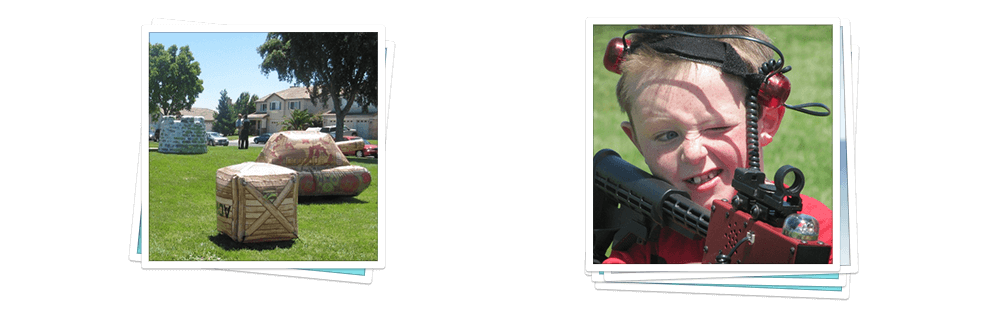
(698, 180)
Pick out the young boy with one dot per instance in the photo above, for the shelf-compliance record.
(688, 119)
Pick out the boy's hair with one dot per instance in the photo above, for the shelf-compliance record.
(644, 63)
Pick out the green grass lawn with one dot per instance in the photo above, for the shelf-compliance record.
(183, 226)
(803, 141)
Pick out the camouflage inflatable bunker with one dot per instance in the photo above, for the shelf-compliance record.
(323, 169)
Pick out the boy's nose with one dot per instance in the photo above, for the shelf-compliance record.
(692, 151)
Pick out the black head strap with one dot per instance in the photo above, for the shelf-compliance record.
(710, 52)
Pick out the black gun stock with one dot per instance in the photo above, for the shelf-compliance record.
(650, 202)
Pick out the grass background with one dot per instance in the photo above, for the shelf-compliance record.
(803, 141)
(183, 224)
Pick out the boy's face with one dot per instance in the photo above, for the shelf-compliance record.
(691, 130)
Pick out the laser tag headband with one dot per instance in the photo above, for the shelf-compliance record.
(772, 87)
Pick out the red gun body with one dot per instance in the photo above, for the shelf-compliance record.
(727, 226)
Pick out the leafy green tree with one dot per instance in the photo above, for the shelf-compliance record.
(174, 82)
(332, 65)
(245, 104)
(299, 120)
(225, 117)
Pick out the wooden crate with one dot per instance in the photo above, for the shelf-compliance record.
(257, 202)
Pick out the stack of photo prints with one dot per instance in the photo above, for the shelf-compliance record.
(239, 209)
(824, 70)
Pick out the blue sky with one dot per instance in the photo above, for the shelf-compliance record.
(228, 61)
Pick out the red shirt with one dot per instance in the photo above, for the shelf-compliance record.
(675, 248)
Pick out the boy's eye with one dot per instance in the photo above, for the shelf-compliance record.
(720, 129)
(666, 136)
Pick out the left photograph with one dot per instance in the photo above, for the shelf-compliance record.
(265, 147)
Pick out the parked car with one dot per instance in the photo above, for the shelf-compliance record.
(261, 138)
(345, 131)
(368, 150)
(330, 130)
(215, 138)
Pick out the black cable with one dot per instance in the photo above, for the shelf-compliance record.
(801, 108)
(737, 245)
(725, 259)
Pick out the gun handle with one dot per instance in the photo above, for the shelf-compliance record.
(604, 224)
(613, 226)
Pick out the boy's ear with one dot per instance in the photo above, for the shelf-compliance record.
(629, 130)
(769, 125)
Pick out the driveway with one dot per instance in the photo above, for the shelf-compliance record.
(251, 144)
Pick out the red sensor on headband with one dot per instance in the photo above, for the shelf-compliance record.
(614, 54)
(774, 91)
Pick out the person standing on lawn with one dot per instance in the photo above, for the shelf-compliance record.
(243, 132)
(243, 136)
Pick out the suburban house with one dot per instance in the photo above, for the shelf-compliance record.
(274, 109)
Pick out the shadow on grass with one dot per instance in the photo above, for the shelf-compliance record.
(310, 200)
(227, 244)
(362, 160)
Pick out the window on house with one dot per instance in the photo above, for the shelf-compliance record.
(275, 105)
(262, 108)
(294, 105)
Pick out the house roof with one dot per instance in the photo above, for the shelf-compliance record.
(295, 92)
(208, 114)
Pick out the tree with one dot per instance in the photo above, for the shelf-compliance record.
(298, 120)
(245, 105)
(331, 65)
(225, 117)
(174, 82)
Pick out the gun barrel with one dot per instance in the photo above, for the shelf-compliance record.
(652, 197)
